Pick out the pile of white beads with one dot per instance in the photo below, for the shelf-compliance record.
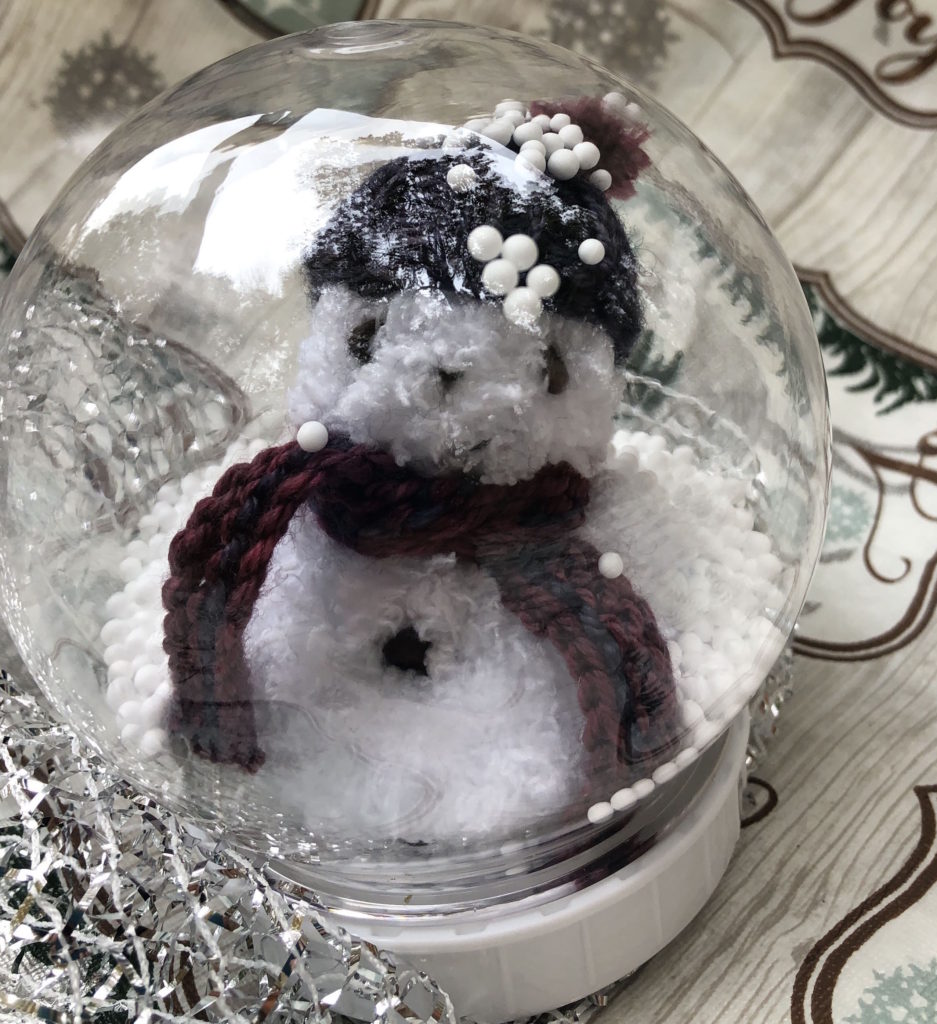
(711, 608)
(551, 145)
(506, 259)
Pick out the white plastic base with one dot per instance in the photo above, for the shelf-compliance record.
(536, 959)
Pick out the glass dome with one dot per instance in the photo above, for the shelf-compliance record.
(415, 454)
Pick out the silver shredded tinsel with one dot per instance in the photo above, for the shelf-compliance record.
(765, 707)
(114, 910)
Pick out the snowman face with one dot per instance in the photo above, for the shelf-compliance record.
(449, 384)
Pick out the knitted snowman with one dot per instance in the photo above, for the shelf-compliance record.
(433, 575)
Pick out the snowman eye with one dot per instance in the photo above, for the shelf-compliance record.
(361, 339)
(556, 372)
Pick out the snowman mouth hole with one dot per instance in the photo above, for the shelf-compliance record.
(406, 651)
(361, 339)
(556, 371)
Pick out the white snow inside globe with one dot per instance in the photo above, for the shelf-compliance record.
(415, 454)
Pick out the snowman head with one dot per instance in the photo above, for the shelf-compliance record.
(433, 340)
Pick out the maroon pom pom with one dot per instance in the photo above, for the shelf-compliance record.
(619, 139)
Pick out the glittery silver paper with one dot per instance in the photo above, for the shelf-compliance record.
(112, 909)
(765, 707)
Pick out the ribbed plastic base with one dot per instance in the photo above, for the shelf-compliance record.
(533, 959)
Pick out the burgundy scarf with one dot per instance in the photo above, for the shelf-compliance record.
(521, 534)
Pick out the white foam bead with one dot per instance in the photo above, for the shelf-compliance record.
(658, 463)
(312, 436)
(522, 306)
(152, 710)
(461, 178)
(499, 276)
(164, 512)
(769, 565)
(527, 132)
(692, 713)
(615, 100)
(118, 668)
(665, 773)
(147, 525)
(118, 691)
(611, 565)
(112, 631)
(154, 646)
(587, 153)
(676, 654)
(599, 812)
(690, 642)
(499, 131)
(686, 757)
(516, 117)
(739, 652)
(757, 543)
(623, 799)
(152, 742)
(571, 134)
(601, 179)
(131, 733)
(563, 164)
(552, 143)
(733, 559)
(139, 590)
(137, 549)
(484, 243)
(558, 121)
(130, 568)
(147, 679)
(509, 104)
(477, 124)
(628, 461)
(643, 788)
(117, 605)
(695, 689)
(743, 519)
(544, 280)
(591, 251)
(656, 442)
(543, 120)
(129, 711)
(117, 652)
(521, 250)
(536, 145)
(531, 160)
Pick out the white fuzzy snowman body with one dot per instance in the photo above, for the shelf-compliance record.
(493, 727)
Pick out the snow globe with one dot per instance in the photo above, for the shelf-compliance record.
(415, 454)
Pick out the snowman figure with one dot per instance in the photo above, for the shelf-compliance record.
(432, 576)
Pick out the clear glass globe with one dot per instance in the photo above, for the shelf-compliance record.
(415, 454)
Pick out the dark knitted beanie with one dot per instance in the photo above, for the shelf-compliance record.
(406, 228)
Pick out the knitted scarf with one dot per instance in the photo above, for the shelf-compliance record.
(522, 534)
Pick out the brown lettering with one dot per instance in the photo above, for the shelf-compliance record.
(818, 17)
